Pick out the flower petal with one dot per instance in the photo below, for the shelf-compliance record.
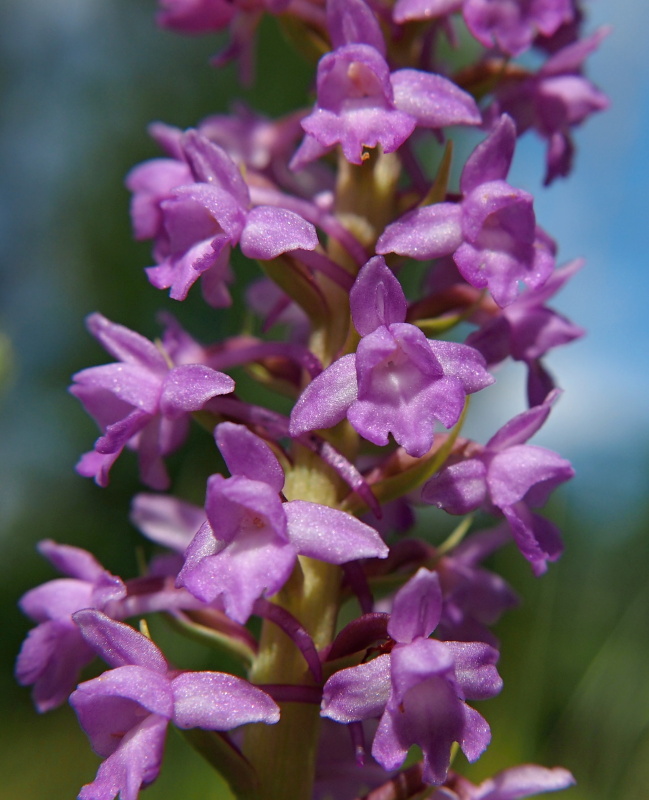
(492, 158)
(459, 488)
(331, 535)
(269, 231)
(325, 400)
(219, 702)
(119, 644)
(432, 100)
(357, 693)
(417, 607)
(428, 232)
(248, 455)
(376, 298)
(188, 387)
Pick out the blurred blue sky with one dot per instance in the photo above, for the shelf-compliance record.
(62, 56)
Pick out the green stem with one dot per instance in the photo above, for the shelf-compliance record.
(283, 755)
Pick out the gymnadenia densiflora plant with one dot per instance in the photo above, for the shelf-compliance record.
(388, 289)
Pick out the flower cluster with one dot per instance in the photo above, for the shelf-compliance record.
(334, 202)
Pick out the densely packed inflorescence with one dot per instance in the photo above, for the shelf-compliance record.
(334, 202)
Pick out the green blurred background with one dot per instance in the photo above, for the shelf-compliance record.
(80, 81)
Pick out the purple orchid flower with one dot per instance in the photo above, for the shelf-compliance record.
(526, 330)
(555, 100)
(361, 104)
(251, 540)
(474, 597)
(264, 147)
(196, 16)
(508, 477)
(54, 652)
(398, 381)
(419, 689)
(514, 26)
(511, 26)
(141, 401)
(125, 711)
(196, 222)
(491, 233)
(515, 783)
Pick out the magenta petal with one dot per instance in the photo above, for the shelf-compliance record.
(357, 693)
(417, 608)
(97, 466)
(476, 735)
(133, 383)
(459, 488)
(188, 387)
(119, 433)
(475, 670)
(239, 506)
(152, 182)
(195, 16)
(417, 661)
(308, 151)
(166, 520)
(462, 362)
(499, 271)
(495, 216)
(124, 344)
(247, 455)
(389, 748)
(219, 702)
(196, 574)
(428, 232)
(325, 400)
(523, 426)
(331, 535)
(51, 658)
(533, 330)
(212, 165)
(514, 471)
(56, 599)
(106, 705)
(136, 763)
(200, 212)
(177, 273)
(73, 561)
(353, 22)
(269, 231)
(358, 128)
(523, 781)
(242, 574)
(492, 158)
(376, 298)
(405, 10)
(537, 538)
(430, 715)
(434, 101)
(119, 644)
